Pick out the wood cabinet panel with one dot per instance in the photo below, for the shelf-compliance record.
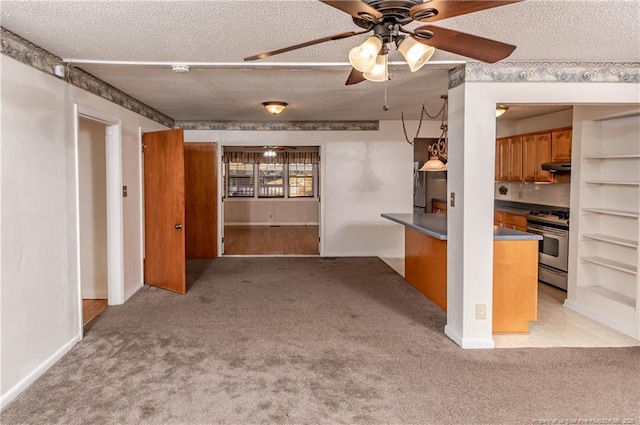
(498, 218)
(537, 151)
(515, 158)
(438, 207)
(502, 151)
(426, 265)
(517, 222)
(561, 145)
(543, 155)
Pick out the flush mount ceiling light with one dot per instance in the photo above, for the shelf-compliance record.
(274, 107)
(501, 110)
(385, 21)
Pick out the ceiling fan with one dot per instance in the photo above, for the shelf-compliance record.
(386, 18)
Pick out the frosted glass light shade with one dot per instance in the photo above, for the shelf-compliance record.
(379, 73)
(434, 164)
(274, 107)
(415, 53)
(363, 57)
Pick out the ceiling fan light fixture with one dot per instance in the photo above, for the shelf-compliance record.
(501, 110)
(274, 107)
(415, 53)
(363, 57)
(380, 71)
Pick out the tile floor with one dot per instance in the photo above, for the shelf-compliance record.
(557, 326)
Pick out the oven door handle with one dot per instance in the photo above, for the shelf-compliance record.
(541, 231)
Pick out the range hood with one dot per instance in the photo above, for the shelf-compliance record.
(555, 167)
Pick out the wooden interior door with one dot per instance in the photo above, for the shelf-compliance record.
(164, 210)
(201, 200)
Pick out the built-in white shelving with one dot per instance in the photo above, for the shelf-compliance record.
(615, 265)
(624, 156)
(611, 183)
(615, 296)
(610, 211)
(605, 234)
(611, 239)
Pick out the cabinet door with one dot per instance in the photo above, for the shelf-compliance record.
(530, 158)
(543, 154)
(515, 148)
(503, 153)
(498, 218)
(438, 207)
(497, 169)
(561, 146)
(516, 222)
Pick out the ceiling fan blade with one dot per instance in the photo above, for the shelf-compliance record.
(306, 44)
(450, 8)
(356, 8)
(355, 77)
(468, 45)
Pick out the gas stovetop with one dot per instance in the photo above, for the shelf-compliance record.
(560, 218)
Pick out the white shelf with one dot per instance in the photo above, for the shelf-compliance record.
(609, 211)
(612, 295)
(625, 156)
(611, 239)
(615, 265)
(611, 183)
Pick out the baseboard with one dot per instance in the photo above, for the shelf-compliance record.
(15, 391)
(271, 223)
(131, 292)
(468, 343)
(591, 314)
(453, 335)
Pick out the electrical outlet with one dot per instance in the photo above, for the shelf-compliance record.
(481, 311)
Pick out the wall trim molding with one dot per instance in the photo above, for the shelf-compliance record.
(279, 125)
(24, 51)
(546, 72)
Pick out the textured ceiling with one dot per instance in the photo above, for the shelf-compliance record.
(227, 31)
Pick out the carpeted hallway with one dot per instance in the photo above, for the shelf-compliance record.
(313, 341)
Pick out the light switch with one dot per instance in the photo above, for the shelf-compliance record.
(452, 199)
(124, 191)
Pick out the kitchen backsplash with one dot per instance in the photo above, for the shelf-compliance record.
(542, 194)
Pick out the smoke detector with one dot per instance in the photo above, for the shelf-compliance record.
(180, 69)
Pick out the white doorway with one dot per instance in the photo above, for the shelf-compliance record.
(99, 206)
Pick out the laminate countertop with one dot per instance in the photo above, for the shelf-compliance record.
(435, 225)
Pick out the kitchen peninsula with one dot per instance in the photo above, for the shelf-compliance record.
(515, 268)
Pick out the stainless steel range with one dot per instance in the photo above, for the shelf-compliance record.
(553, 249)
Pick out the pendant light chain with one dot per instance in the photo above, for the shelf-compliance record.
(424, 112)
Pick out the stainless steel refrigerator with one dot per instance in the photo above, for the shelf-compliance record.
(427, 186)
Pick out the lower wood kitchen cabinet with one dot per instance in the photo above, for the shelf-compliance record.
(510, 221)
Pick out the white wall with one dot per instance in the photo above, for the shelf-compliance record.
(363, 174)
(92, 184)
(472, 134)
(40, 293)
(289, 211)
(533, 124)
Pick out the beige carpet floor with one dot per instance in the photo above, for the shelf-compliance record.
(313, 341)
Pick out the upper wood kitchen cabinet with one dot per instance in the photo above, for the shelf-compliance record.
(537, 151)
(561, 145)
(509, 159)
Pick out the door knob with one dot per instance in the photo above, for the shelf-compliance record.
(178, 226)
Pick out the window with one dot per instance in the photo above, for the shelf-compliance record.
(270, 181)
(240, 182)
(300, 180)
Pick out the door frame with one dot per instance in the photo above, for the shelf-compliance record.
(115, 219)
(321, 193)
